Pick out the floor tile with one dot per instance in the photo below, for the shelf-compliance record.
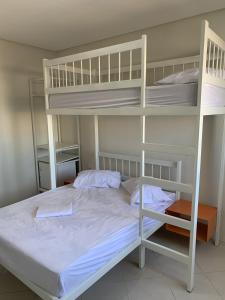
(131, 271)
(104, 290)
(9, 284)
(203, 290)
(26, 295)
(167, 266)
(149, 289)
(115, 274)
(211, 258)
(218, 281)
(2, 270)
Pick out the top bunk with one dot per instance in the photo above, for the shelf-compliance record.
(117, 80)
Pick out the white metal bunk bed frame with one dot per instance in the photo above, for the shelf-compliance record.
(212, 71)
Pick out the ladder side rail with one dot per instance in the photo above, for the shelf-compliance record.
(220, 188)
(197, 167)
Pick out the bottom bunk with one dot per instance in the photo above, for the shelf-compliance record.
(61, 257)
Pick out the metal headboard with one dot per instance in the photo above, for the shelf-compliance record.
(129, 166)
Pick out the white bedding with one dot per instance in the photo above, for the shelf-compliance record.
(174, 94)
(57, 254)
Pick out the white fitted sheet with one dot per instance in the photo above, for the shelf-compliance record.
(174, 94)
(58, 253)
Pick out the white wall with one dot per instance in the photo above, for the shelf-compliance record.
(18, 63)
(122, 135)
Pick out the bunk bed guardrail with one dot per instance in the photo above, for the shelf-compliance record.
(214, 65)
(84, 71)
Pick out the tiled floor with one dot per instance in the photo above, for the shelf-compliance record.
(161, 279)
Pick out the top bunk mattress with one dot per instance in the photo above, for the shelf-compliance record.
(58, 254)
(175, 94)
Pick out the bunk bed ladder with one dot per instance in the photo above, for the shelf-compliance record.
(179, 188)
(192, 189)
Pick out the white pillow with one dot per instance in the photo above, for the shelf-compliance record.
(130, 185)
(151, 195)
(97, 178)
(187, 76)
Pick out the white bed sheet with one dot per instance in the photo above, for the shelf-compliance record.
(57, 254)
(174, 94)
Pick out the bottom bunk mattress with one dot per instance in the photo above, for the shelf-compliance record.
(174, 94)
(59, 253)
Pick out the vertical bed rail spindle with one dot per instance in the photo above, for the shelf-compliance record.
(90, 70)
(59, 79)
(217, 61)
(99, 69)
(221, 58)
(74, 82)
(160, 172)
(66, 75)
(119, 57)
(131, 64)
(213, 61)
(223, 65)
(209, 56)
(129, 168)
(109, 70)
(153, 75)
(52, 78)
(81, 72)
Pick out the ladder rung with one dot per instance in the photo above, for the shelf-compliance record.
(166, 251)
(165, 148)
(167, 184)
(166, 218)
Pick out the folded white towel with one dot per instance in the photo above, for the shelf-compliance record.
(54, 210)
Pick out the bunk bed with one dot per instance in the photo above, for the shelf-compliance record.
(91, 76)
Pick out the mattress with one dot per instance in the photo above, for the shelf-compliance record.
(175, 94)
(59, 253)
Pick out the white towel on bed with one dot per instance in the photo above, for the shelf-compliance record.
(54, 210)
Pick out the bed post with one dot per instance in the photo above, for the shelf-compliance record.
(197, 167)
(178, 177)
(78, 138)
(96, 143)
(50, 124)
(142, 165)
(220, 187)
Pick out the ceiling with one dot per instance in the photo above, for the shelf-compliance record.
(61, 24)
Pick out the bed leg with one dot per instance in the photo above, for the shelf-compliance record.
(141, 257)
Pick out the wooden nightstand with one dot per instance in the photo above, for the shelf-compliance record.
(206, 219)
(69, 181)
